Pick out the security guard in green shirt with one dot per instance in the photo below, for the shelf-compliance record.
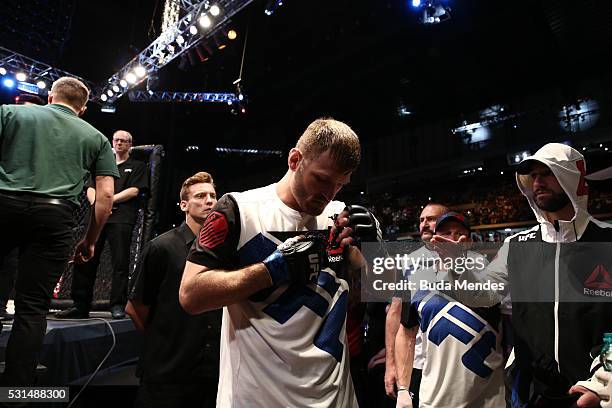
(46, 153)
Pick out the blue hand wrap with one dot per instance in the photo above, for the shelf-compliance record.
(277, 268)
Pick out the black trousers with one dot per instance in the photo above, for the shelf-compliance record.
(43, 233)
(8, 274)
(119, 238)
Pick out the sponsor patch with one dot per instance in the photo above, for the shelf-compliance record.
(599, 279)
(214, 232)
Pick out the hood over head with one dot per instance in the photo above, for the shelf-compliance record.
(569, 167)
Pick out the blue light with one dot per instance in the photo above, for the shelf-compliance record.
(416, 3)
(8, 82)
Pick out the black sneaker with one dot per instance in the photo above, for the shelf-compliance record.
(118, 312)
(72, 313)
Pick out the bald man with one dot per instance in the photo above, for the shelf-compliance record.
(132, 181)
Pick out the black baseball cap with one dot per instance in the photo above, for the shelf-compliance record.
(452, 216)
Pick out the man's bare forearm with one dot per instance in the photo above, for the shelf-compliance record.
(392, 323)
(204, 289)
(126, 195)
(105, 186)
(404, 354)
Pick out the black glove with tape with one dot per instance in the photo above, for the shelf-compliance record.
(366, 227)
(297, 260)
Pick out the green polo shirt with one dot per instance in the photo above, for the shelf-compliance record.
(49, 151)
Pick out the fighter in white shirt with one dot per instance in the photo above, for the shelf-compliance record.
(283, 341)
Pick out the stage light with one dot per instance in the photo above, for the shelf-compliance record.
(240, 97)
(123, 83)
(229, 102)
(203, 55)
(21, 77)
(271, 6)
(2, 71)
(103, 97)
(41, 84)
(220, 41)
(205, 21)
(579, 116)
(215, 10)
(434, 11)
(130, 78)
(116, 89)
(180, 39)
(416, 3)
(193, 30)
(8, 82)
(140, 71)
(109, 93)
(232, 34)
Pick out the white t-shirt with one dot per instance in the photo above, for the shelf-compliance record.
(284, 346)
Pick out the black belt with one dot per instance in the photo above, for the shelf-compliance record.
(38, 199)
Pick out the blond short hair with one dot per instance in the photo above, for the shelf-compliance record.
(70, 91)
(199, 177)
(337, 137)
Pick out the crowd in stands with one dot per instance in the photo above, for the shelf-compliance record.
(501, 204)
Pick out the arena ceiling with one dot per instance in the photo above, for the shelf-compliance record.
(355, 60)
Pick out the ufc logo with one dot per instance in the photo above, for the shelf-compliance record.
(531, 235)
(313, 259)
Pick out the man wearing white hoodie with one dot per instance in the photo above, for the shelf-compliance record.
(559, 312)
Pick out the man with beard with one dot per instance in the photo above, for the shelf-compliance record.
(283, 336)
(427, 225)
(554, 272)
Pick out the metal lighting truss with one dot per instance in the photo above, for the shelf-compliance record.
(470, 127)
(35, 70)
(169, 45)
(194, 97)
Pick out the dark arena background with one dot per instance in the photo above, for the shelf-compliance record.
(446, 96)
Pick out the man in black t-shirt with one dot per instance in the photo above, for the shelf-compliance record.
(133, 180)
(179, 364)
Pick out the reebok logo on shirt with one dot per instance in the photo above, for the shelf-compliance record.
(599, 283)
